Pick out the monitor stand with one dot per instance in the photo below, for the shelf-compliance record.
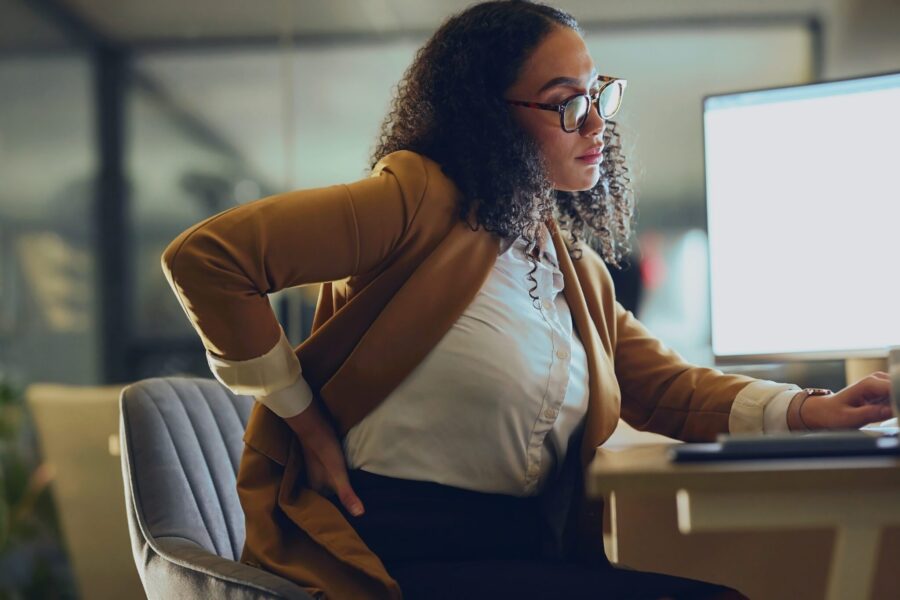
(858, 368)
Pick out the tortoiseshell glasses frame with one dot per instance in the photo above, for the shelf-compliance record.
(613, 87)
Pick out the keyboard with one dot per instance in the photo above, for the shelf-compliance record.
(888, 427)
(813, 444)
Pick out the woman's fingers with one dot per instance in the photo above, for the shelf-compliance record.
(337, 474)
(324, 457)
(869, 413)
(316, 474)
(337, 478)
(872, 389)
(348, 497)
(878, 390)
(327, 451)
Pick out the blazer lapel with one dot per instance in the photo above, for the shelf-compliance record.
(604, 396)
(412, 323)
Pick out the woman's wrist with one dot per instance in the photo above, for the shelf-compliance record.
(309, 425)
(795, 423)
(798, 414)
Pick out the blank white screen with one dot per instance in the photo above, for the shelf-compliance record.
(803, 209)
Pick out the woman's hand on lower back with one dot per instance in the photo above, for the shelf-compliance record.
(325, 464)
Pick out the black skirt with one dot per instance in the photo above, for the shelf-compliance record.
(440, 541)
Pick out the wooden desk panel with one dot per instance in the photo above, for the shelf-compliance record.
(772, 562)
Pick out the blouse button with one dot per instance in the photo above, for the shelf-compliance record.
(547, 304)
(562, 354)
(551, 413)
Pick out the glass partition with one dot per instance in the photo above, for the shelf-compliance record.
(48, 321)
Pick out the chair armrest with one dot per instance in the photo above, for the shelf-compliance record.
(210, 576)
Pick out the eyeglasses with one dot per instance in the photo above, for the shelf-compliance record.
(574, 111)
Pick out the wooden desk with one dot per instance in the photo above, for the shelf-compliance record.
(857, 496)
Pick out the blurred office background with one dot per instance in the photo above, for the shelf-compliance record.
(123, 123)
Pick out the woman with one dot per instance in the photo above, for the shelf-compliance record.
(468, 354)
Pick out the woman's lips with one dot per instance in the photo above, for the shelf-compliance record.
(594, 156)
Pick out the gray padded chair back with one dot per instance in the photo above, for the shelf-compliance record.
(181, 445)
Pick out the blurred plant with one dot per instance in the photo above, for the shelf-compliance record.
(33, 563)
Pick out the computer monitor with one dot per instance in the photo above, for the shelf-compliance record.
(803, 209)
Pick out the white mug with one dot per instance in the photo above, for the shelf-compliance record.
(894, 371)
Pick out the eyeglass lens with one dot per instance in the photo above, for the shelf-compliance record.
(575, 113)
(608, 104)
(610, 99)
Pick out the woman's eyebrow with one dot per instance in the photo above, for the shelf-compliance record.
(566, 81)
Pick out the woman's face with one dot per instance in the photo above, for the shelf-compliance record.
(559, 68)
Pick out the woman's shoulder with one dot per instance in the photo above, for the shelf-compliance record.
(405, 161)
(411, 165)
(418, 176)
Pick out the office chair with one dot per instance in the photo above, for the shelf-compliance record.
(181, 445)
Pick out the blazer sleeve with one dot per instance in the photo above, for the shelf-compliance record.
(222, 269)
(663, 393)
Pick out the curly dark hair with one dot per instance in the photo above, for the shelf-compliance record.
(449, 106)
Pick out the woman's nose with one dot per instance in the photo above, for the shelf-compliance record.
(593, 124)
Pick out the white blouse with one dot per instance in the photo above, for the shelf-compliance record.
(492, 406)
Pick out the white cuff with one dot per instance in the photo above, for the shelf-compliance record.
(750, 412)
(261, 376)
(775, 415)
(290, 401)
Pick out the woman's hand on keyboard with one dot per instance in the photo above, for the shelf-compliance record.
(866, 401)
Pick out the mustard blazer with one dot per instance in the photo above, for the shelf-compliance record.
(398, 267)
